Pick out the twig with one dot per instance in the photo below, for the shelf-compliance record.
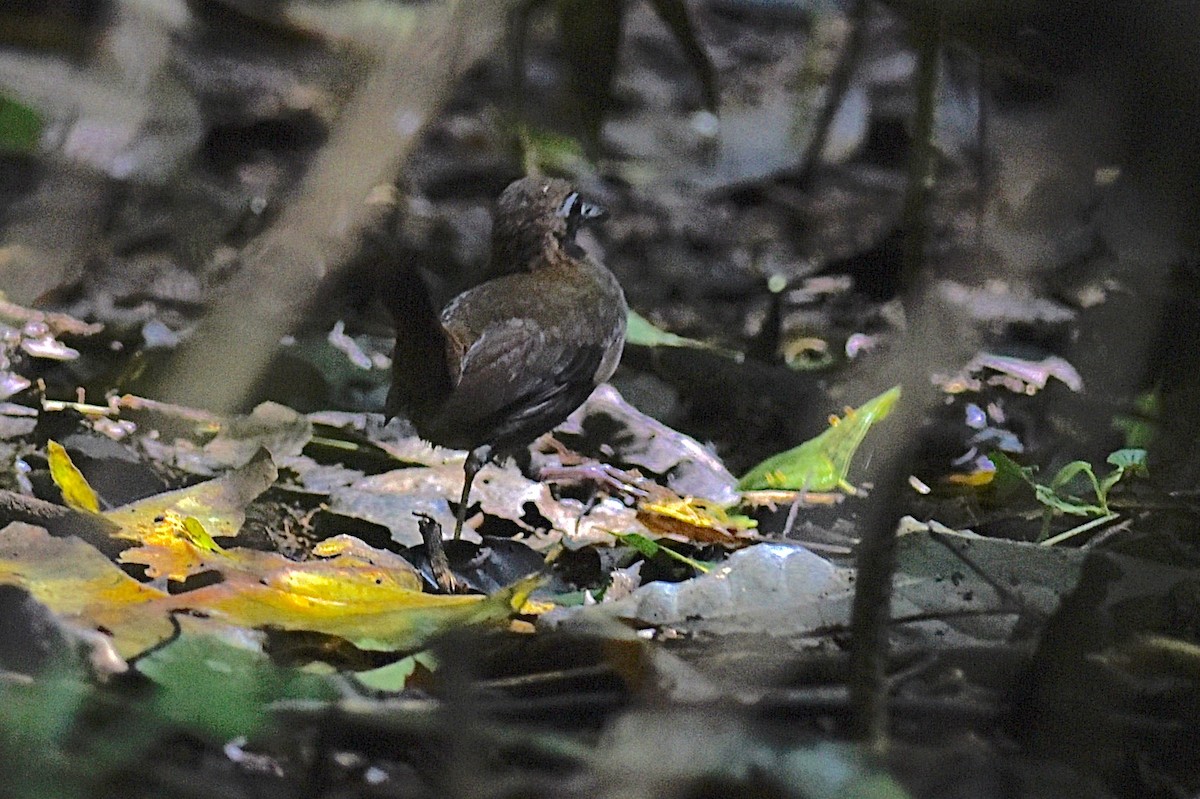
(835, 90)
(1082, 528)
(439, 564)
(61, 521)
(131, 402)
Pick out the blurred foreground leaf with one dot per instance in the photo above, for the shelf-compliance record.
(45, 758)
(221, 690)
(20, 127)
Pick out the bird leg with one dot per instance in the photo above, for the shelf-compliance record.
(476, 458)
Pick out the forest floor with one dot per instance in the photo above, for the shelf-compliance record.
(251, 610)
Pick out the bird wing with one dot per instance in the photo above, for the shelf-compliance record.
(518, 380)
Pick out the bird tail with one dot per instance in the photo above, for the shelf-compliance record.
(420, 373)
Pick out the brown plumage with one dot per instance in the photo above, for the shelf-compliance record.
(511, 358)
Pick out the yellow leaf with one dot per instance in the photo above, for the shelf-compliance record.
(975, 479)
(691, 518)
(70, 481)
(358, 594)
(218, 505)
(84, 588)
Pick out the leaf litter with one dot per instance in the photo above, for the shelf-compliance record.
(368, 596)
(203, 604)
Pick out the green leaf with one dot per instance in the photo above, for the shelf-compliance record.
(41, 713)
(641, 332)
(822, 463)
(1068, 505)
(1054, 496)
(641, 543)
(394, 677)
(1010, 470)
(1066, 474)
(1141, 426)
(548, 152)
(1130, 460)
(675, 14)
(1127, 462)
(195, 532)
(37, 719)
(65, 738)
(650, 549)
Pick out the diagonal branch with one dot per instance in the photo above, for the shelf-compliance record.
(288, 268)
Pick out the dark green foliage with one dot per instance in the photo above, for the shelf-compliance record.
(20, 127)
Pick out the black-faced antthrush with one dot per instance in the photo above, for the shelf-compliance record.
(510, 359)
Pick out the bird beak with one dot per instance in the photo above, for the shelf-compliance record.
(576, 210)
(591, 212)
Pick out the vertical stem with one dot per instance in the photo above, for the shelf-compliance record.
(871, 611)
(927, 36)
(982, 139)
(435, 549)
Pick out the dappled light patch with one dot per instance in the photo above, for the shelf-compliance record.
(219, 505)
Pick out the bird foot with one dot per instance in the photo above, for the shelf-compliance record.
(618, 480)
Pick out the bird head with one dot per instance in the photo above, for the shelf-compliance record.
(536, 222)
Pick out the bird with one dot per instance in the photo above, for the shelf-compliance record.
(511, 358)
